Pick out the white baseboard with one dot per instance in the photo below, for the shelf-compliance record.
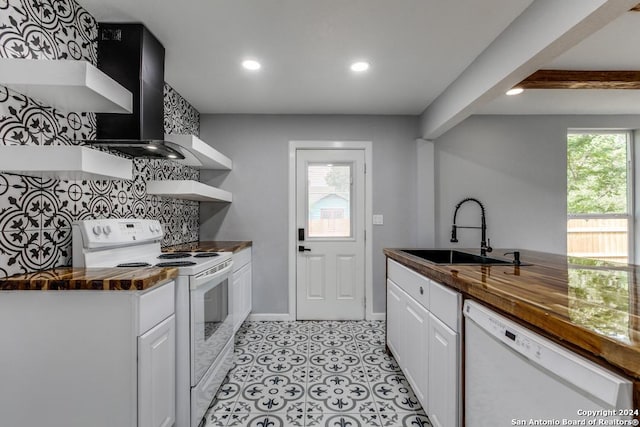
(269, 317)
(285, 317)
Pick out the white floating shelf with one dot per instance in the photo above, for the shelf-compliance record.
(65, 162)
(198, 154)
(188, 190)
(66, 84)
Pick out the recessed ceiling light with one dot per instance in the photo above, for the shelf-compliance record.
(359, 66)
(151, 147)
(515, 91)
(250, 64)
(172, 156)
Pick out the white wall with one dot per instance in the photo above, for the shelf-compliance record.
(258, 146)
(515, 165)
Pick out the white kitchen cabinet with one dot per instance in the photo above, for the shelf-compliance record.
(156, 388)
(408, 338)
(417, 353)
(444, 381)
(77, 358)
(395, 336)
(242, 302)
(423, 324)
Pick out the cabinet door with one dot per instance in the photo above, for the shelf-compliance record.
(247, 280)
(416, 356)
(395, 334)
(237, 297)
(443, 395)
(241, 295)
(157, 375)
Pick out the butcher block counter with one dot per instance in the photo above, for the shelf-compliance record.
(592, 307)
(210, 246)
(103, 279)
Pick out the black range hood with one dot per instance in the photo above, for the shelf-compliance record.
(133, 57)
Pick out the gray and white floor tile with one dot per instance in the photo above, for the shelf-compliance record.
(315, 374)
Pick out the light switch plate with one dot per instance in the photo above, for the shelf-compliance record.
(378, 219)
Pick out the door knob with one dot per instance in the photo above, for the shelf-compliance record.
(303, 249)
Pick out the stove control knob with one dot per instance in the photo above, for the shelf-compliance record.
(151, 229)
(158, 229)
(97, 230)
(106, 230)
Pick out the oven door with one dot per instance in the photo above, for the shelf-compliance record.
(211, 316)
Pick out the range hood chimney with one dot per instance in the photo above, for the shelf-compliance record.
(132, 56)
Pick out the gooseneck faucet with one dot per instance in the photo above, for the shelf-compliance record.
(484, 243)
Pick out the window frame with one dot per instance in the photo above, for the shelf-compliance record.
(631, 190)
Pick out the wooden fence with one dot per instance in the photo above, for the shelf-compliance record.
(601, 238)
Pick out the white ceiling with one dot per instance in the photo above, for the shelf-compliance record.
(416, 49)
(614, 47)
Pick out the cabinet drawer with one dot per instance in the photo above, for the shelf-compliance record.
(409, 281)
(446, 305)
(155, 306)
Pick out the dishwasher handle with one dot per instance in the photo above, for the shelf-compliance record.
(607, 386)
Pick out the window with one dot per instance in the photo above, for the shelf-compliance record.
(599, 197)
(329, 190)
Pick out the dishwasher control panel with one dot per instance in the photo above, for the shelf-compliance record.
(515, 339)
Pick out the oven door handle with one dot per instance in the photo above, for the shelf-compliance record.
(204, 278)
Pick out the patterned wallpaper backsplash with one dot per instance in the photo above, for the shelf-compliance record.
(36, 214)
(179, 116)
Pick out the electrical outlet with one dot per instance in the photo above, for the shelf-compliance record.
(378, 219)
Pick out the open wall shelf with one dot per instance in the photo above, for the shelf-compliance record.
(65, 162)
(188, 190)
(66, 85)
(198, 154)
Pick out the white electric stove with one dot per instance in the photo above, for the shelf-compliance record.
(204, 318)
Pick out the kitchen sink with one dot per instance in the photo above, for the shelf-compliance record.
(450, 256)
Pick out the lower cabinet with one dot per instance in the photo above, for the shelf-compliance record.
(78, 358)
(241, 279)
(418, 348)
(395, 323)
(423, 324)
(157, 391)
(444, 375)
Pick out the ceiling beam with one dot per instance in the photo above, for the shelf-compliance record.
(524, 47)
(577, 79)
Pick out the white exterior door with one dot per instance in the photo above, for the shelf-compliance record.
(330, 216)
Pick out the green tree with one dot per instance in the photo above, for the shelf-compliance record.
(596, 173)
(339, 178)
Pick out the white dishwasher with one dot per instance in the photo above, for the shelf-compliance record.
(516, 377)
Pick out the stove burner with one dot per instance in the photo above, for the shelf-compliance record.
(174, 255)
(205, 255)
(175, 264)
(134, 264)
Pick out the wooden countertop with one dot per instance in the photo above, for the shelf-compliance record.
(210, 246)
(122, 278)
(590, 306)
(103, 279)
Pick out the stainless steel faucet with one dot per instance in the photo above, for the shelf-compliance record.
(484, 243)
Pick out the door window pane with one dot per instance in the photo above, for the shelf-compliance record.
(329, 202)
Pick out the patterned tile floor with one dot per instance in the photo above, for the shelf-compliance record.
(314, 373)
